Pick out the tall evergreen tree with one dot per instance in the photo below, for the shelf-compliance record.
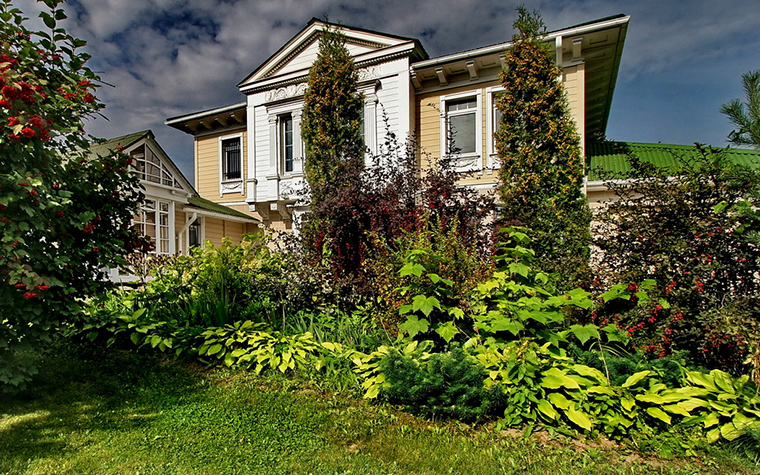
(539, 148)
(332, 115)
(745, 117)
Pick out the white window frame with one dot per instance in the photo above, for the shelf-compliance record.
(492, 156)
(282, 144)
(276, 114)
(465, 162)
(140, 165)
(141, 222)
(235, 185)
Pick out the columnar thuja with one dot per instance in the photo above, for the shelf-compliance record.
(542, 167)
(64, 216)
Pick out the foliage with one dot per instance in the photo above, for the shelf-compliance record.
(745, 116)
(542, 169)
(331, 123)
(116, 411)
(434, 265)
(447, 385)
(64, 215)
(692, 231)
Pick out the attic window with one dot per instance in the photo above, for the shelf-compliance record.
(150, 168)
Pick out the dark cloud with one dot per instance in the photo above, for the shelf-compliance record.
(170, 57)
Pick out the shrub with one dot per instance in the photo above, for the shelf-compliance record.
(64, 215)
(692, 231)
(447, 385)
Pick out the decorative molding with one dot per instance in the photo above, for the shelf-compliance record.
(231, 186)
(286, 92)
(370, 72)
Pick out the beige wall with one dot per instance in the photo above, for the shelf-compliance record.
(207, 166)
(216, 229)
(428, 121)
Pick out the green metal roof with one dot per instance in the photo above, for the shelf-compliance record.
(611, 156)
(124, 141)
(208, 205)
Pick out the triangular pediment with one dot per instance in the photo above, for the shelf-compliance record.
(299, 53)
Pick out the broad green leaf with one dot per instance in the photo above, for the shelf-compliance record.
(555, 378)
(701, 379)
(713, 435)
(585, 332)
(651, 398)
(601, 390)
(447, 331)
(214, 349)
(372, 392)
(691, 404)
(579, 418)
(676, 409)
(412, 269)
(135, 338)
(413, 325)
(658, 413)
(635, 378)
(456, 312)
(425, 304)
(627, 403)
(730, 432)
(559, 400)
(723, 381)
(546, 408)
(711, 419)
(742, 422)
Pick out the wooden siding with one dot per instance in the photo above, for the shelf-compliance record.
(207, 166)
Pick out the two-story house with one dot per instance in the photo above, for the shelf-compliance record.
(249, 156)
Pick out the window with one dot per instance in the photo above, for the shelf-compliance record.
(152, 221)
(462, 126)
(493, 124)
(150, 168)
(462, 130)
(286, 134)
(231, 160)
(194, 233)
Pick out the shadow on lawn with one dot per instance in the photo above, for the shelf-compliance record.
(84, 390)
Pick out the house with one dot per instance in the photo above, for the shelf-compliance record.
(249, 155)
(173, 215)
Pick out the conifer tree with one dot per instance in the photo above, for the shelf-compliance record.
(539, 148)
(745, 116)
(331, 123)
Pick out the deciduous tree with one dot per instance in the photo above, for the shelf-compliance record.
(64, 215)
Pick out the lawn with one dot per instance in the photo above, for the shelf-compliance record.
(109, 412)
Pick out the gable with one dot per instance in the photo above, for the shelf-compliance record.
(301, 51)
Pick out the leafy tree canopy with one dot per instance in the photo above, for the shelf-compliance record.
(64, 215)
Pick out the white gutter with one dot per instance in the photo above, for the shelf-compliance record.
(214, 214)
(580, 30)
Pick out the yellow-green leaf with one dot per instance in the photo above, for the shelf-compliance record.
(579, 418)
(658, 413)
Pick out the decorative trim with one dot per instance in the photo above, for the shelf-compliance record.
(286, 92)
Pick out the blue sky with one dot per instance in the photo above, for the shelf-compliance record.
(682, 59)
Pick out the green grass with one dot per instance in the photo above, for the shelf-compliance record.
(98, 412)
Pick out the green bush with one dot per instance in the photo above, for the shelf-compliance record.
(447, 385)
